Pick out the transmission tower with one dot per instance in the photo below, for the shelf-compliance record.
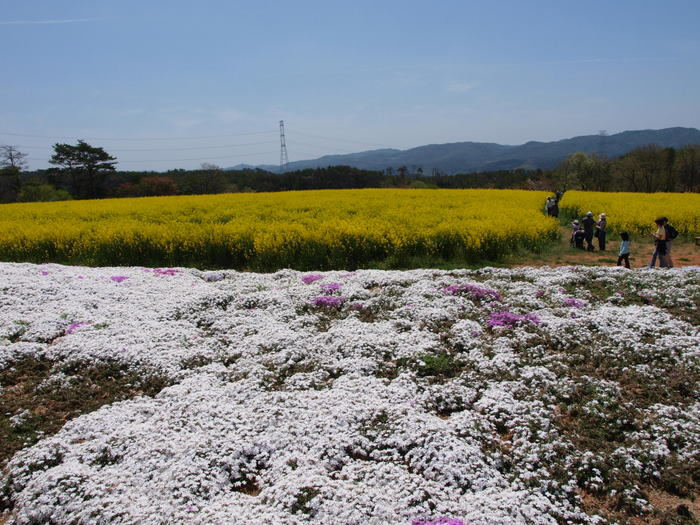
(283, 149)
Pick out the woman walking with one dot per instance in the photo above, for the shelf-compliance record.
(660, 245)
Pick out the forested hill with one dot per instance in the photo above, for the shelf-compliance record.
(465, 157)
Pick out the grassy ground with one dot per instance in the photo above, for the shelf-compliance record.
(47, 406)
(558, 253)
(684, 253)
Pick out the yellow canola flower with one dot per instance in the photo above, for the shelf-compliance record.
(635, 212)
(264, 231)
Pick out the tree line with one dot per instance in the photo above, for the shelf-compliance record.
(82, 171)
(647, 169)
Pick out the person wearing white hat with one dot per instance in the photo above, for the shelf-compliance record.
(575, 226)
(600, 227)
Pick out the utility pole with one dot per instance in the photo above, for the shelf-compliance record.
(283, 149)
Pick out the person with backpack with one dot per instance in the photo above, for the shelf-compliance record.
(549, 206)
(578, 237)
(555, 209)
(576, 241)
(660, 244)
(671, 234)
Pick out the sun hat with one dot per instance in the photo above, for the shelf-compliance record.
(603, 215)
(589, 214)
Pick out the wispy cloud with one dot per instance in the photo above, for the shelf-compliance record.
(608, 60)
(42, 22)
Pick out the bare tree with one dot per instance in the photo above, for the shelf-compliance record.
(11, 157)
(12, 162)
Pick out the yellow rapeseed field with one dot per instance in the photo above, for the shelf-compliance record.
(265, 231)
(636, 212)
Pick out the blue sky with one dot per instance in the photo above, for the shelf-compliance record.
(208, 81)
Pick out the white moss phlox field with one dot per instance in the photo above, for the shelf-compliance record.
(324, 398)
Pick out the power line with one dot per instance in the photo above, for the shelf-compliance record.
(315, 146)
(179, 160)
(173, 149)
(136, 138)
(339, 139)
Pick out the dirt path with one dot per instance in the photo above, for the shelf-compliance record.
(684, 253)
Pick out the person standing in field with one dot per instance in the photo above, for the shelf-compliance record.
(624, 254)
(671, 233)
(660, 245)
(588, 224)
(579, 236)
(555, 208)
(600, 232)
(575, 226)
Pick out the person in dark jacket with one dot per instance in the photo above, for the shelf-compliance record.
(588, 223)
(555, 209)
(578, 238)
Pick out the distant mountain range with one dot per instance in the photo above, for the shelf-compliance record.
(466, 157)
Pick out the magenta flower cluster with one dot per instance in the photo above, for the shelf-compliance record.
(440, 521)
(330, 288)
(574, 303)
(119, 278)
(474, 292)
(328, 301)
(166, 271)
(311, 278)
(74, 326)
(510, 319)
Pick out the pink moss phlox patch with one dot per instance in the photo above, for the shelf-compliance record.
(572, 302)
(311, 278)
(44, 272)
(119, 278)
(328, 301)
(510, 319)
(166, 271)
(330, 288)
(440, 521)
(473, 291)
(74, 326)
